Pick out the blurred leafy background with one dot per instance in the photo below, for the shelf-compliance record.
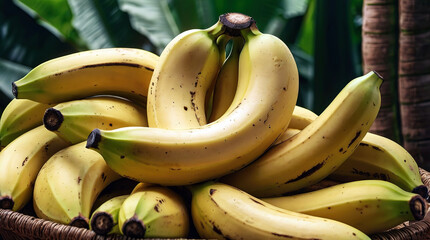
(324, 36)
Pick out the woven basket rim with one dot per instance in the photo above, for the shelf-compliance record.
(30, 227)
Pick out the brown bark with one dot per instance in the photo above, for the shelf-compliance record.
(379, 52)
(414, 78)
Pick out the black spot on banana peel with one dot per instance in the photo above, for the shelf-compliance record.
(102, 223)
(52, 119)
(307, 172)
(357, 134)
(6, 202)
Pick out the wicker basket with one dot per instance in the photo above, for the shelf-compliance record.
(19, 226)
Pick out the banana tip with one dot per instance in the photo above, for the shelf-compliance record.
(94, 139)
(418, 206)
(6, 202)
(421, 190)
(80, 222)
(134, 228)
(234, 22)
(14, 90)
(52, 119)
(101, 223)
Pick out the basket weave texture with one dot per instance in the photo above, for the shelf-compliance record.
(20, 226)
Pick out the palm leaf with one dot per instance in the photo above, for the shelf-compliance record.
(54, 14)
(153, 19)
(101, 24)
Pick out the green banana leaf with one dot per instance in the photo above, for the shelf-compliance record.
(55, 15)
(101, 24)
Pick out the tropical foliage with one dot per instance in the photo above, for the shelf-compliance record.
(324, 36)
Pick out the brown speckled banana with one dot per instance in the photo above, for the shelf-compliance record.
(268, 77)
(319, 148)
(124, 72)
(220, 211)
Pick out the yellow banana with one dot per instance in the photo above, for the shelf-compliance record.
(74, 120)
(19, 116)
(267, 72)
(20, 162)
(184, 74)
(68, 184)
(124, 72)
(220, 211)
(371, 206)
(321, 147)
(378, 157)
(153, 211)
(226, 82)
(302, 117)
(104, 220)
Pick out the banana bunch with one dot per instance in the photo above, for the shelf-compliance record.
(204, 143)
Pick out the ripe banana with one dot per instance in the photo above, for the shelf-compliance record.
(74, 120)
(269, 75)
(378, 157)
(19, 116)
(183, 76)
(68, 184)
(20, 162)
(104, 220)
(302, 117)
(371, 206)
(220, 211)
(226, 82)
(321, 147)
(153, 211)
(124, 72)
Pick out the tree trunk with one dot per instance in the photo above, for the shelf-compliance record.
(414, 78)
(379, 52)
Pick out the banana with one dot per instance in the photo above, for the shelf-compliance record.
(321, 147)
(153, 211)
(371, 206)
(20, 162)
(302, 117)
(19, 116)
(74, 120)
(226, 82)
(124, 72)
(378, 157)
(220, 211)
(183, 76)
(269, 75)
(104, 220)
(68, 184)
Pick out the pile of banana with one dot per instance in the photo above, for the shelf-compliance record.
(204, 142)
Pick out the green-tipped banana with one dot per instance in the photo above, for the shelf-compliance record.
(20, 162)
(68, 184)
(220, 211)
(371, 206)
(74, 120)
(124, 72)
(19, 116)
(320, 148)
(104, 220)
(226, 82)
(378, 157)
(184, 74)
(269, 75)
(154, 211)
